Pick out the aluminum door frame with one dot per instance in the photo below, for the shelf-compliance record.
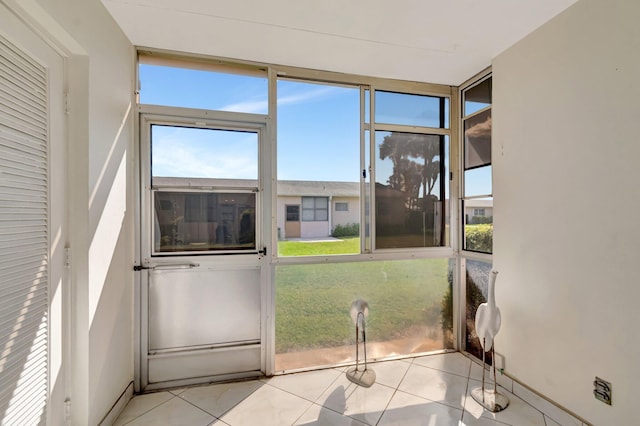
(149, 115)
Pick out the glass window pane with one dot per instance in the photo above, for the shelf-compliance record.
(322, 202)
(411, 180)
(308, 215)
(477, 279)
(478, 225)
(204, 221)
(477, 140)
(308, 202)
(293, 213)
(202, 89)
(477, 182)
(189, 152)
(410, 310)
(477, 97)
(411, 110)
(318, 158)
(342, 207)
(367, 106)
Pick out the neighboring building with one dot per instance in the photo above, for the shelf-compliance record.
(474, 209)
(306, 209)
(309, 209)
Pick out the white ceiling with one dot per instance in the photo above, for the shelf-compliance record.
(436, 41)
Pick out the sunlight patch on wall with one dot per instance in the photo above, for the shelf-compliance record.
(106, 236)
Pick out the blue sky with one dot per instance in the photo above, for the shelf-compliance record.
(318, 126)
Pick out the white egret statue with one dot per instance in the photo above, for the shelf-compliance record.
(365, 377)
(487, 326)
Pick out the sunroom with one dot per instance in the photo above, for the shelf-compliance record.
(198, 194)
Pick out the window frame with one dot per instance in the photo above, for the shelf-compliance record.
(151, 115)
(445, 130)
(470, 84)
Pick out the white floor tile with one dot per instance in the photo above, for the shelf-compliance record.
(140, 405)
(435, 385)
(550, 422)
(470, 420)
(454, 363)
(390, 373)
(517, 413)
(476, 374)
(363, 404)
(177, 391)
(309, 385)
(429, 390)
(267, 406)
(220, 398)
(174, 412)
(551, 410)
(317, 415)
(406, 409)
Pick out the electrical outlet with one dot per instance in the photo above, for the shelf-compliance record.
(602, 390)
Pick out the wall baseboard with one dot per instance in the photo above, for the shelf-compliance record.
(118, 406)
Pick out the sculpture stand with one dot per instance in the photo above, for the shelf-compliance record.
(367, 376)
(490, 399)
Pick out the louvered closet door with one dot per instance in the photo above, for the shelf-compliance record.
(24, 241)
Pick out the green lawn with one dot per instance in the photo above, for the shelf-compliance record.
(313, 301)
(302, 248)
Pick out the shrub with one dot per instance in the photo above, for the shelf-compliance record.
(348, 230)
(476, 220)
(479, 237)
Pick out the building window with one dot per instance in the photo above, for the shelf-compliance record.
(342, 207)
(478, 212)
(315, 209)
(293, 213)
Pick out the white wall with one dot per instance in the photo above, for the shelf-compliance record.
(100, 208)
(342, 217)
(565, 116)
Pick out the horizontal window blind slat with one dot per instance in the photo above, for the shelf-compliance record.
(24, 242)
(17, 160)
(7, 271)
(24, 116)
(26, 274)
(21, 111)
(26, 63)
(27, 376)
(19, 142)
(12, 96)
(29, 80)
(16, 300)
(30, 336)
(10, 122)
(17, 228)
(24, 186)
(23, 233)
(24, 335)
(18, 181)
(22, 257)
(31, 380)
(28, 326)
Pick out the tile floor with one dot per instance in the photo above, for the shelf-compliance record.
(430, 390)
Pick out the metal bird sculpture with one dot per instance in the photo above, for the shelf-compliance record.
(488, 317)
(366, 377)
(487, 326)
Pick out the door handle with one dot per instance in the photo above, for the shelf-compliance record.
(166, 266)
